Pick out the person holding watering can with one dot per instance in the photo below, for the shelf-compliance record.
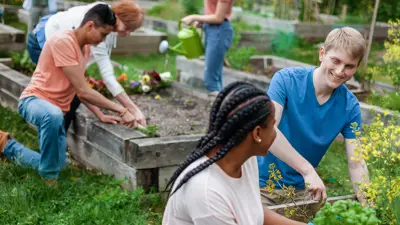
(218, 38)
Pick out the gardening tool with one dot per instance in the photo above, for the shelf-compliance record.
(190, 44)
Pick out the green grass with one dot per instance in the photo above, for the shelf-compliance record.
(154, 61)
(333, 170)
(11, 19)
(81, 197)
(170, 10)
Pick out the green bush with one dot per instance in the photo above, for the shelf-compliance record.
(390, 100)
(191, 6)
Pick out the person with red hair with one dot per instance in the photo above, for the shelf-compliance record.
(129, 17)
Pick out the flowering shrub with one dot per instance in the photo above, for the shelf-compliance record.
(144, 82)
(379, 146)
(275, 176)
(391, 57)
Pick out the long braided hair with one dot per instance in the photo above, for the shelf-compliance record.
(237, 110)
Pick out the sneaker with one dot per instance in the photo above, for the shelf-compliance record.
(4, 137)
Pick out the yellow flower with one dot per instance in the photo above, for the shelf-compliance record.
(90, 85)
(146, 79)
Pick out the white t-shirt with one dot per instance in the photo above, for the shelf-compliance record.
(71, 19)
(213, 198)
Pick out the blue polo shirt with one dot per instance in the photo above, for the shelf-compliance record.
(309, 126)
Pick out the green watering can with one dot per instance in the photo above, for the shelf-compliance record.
(190, 44)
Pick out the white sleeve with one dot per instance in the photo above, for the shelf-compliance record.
(101, 55)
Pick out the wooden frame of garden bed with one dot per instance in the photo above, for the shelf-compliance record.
(11, 39)
(311, 207)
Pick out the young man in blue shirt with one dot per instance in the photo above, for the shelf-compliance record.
(312, 106)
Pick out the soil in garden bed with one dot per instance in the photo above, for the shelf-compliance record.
(175, 113)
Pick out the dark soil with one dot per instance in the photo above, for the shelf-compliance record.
(176, 113)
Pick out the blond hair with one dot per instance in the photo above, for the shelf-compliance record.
(347, 39)
(129, 12)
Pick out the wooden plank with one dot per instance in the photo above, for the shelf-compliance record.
(6, 61)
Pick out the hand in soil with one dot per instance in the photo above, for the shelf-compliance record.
(140, 118)
(129, 120)
(110, 119)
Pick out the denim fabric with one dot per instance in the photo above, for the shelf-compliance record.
(33, 48)
(49, 120)
(218, 39)
(37, 39)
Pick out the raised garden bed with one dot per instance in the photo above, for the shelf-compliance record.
(176, 112)
(143, 41)
(11, 39)
(311, 31)
(118, 150)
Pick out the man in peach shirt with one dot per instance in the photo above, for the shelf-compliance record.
(59, 75)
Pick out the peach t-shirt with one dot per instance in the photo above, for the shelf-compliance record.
(210, 6)
(49, 82)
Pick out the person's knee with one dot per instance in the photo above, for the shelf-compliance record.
(54, 117)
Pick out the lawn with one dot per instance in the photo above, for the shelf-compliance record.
(333, 170)
(81, 197)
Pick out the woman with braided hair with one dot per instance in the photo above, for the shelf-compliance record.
(218, 182)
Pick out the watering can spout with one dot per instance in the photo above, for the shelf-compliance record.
(189, 43)
(164, 47)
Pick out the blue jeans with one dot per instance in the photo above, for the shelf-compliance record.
(218, 39)
(49, 120)
(33, 48)
(37, 39)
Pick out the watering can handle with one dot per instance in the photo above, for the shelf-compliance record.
(180, 28)
(180, 25)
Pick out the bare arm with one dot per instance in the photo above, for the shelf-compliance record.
(91, 96)
(282, 149)
(96, 110)
(124, 99)
(358, 169)
(273, 218)
(217, 18)
(102, 58)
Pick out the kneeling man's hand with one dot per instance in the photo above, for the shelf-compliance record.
(129, 120)
(110, 119)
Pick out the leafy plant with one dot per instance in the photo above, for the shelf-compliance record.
(239, 57)
(22, 62)
(390, 100)
(345, 212)
(191, 6)
(150, 130)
